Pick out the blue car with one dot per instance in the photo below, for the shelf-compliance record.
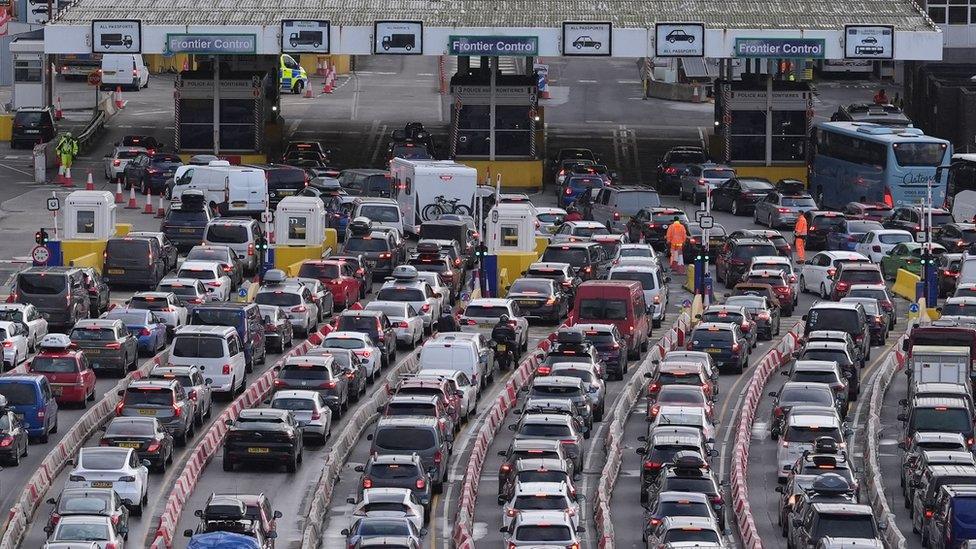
(850, 234)
(339, 214)
(31, 397)
(577, 185)
(221, 540)
(148, 329)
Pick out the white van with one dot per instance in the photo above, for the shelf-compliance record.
(417, 184)
(457, 355)
(126, 70)
(383, 212)
(217, 351)
(235, 190)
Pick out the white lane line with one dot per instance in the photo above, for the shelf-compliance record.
(628, 81)
(586, 81)
(11, 168)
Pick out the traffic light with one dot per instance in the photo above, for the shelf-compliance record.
(41, 237)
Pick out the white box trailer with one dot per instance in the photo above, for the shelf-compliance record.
(417, 185)
(938, 364)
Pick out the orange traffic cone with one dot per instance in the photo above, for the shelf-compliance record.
(308, 92)
(132, 205)
(68, 183)
(58, 111)
(161, 211)
(118, 193)
(118, 97)
(327, 86)
(90, 183)
(148, 209)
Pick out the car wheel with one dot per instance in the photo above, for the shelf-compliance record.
(823, 291)
(228, 465)
(769, 221)
(734, 208)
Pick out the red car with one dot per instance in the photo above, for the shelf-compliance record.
(782, 287)
(66, 369)
(338, 276)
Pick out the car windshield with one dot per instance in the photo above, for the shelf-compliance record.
(555, 391)
(226, 234)
(804, 433)
(941, 418)
(547, 532)
(130, 428)
(380, 214)
(403, 437)
(393, 471)
(845, 526)
(153, 397)
(718, 174)
(701, 485)
(636, 252)
(216, 317)
(486, 311)
(319, 270)
(836, 355)
(919, 154)
(603, 309)
(683, 508)
(551, 218)
(199, 274)
(129, 318)
(183, 217)
(803, 395)
(722, 316)
(90, 504)
(895, 238)
(755, 185)
(305, 371)
(297, 404)
(813, 376)
(586, 231)
(278, 298)
(833, 319)
(748, 251)
(82, 532)
(93, 334)
(126, 249)
(343, 343)
(104, 461)
(772, 280)
(576, 257)
(198, 347)
(183, 290)
(383, 528)
(646, 278)
(959, 309)
(208, 254)
(545, 430)
(686, 157)
(357, 323)
(531, 286)
(18, 394)
(54, 365)
(40, 284)
(391, 310)
(631, 202)
(878, 294)
(366, 244)
(829, 223)
(585, 182)
(401, 294)
(682, 394)
(856, 226)
(539, 502)
(411, 409)
(799, 202)
(711, 338)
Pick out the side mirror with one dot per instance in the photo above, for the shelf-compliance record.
(359, 468)
(713, 453)
(904, 345)
(272, 535)
(380, 409)
(208, 381)
(120, 392)
(779, 489)
(882, 525)
(123, 530)
(228, 422)
(344, 531)
(640, 450)
(804, 317)
(351, 501)
(648, 375)
(502, 453)
(642, 438)
(580, 530)
(503, 530)
(902, 417)
(186, 533)
(797, 522)
(145, 463)
(52, 501)
(369, 436)
(773, 394)
(516, 412)
(198, 513)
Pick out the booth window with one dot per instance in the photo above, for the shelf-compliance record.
(748, 135)
(297, 227)
(513, 131)
(85, 222)
(789, 135)
(510, 236)
(27, 70)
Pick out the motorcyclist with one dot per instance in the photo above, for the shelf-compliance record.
(448, 323)
(504, 334)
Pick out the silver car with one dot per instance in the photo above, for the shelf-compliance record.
(197, 387)
(593, 380)
(780, 209)
(697, 179)
(116, 161)
(310, 411)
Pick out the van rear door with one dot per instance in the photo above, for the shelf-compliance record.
(247, 191)
(937, 364)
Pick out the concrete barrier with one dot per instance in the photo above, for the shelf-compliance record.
(905, 284)
(22, 514)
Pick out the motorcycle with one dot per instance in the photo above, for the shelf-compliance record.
(504, 354)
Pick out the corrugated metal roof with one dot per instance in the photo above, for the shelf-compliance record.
(763, 14)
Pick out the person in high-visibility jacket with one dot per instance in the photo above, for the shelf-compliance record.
(800, 236)
(66, 150)
(676, 236)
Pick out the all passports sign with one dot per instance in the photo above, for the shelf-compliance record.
(493, 45)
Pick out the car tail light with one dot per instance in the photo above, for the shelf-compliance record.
(505, 468)
(177, 411)
(746, 326)
(250, 249)
(701, 182)
(328, 385)
(654, 387)
(385, 255)
(654, 522)
(670, 170)
(831, 271)
(438, 456)
(153, 447)
(568, 191)
(144, 331)
(568, 441)
(652, 465)
(215, 284)
(119, 408)
(316, 415)
(543, 370)
(717, 500)
(111, 545)
(511, 512)
(350, 375)
(299, 309)
(837, 387)
(654, 410)
(929, 513)
(783, 210)
(735, 348)
(573, 546)
(402, 324)
(6, 442)
(792, 278)
(888, 200)
(279, 383)
(8, 344)
(226, 369)
(763, 316)
(426, 309)
(55, 518)
(364, 354)
(970, 441)
(778, 411)
(616, 216)
(113, 345)
(367, 482)
(116, 162)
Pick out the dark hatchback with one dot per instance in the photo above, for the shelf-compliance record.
(145, 435)
(723, 342)
(263, 435)
(734, 260)
(185, 228)
(376, 325)
(149, 172)
(820, 224)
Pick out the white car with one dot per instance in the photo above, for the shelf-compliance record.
(396, 503)
(116, 468)
(635, 254)
(687, 416)
(319, 293)
(780, 263)
(15, 344)
(407, 287)
(216, 281)
(29, 316)
(434, 281)
(407, 324)
(116, 161)
(359, 343)
(796, 437)
(310, 411)
(578, 231)
(217, 351)
(653, 282)
(482, 314)
(295, 300)
(549, 219)
(79, 531)
(164, 304)
(541, 496)
(879, 242)
(816, 273)
(461, 382)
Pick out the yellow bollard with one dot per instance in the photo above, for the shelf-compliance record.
(690, 278)
(697, 307)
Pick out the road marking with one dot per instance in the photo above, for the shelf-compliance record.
(11, 168)
(425, 74)
(599, 121)
(701, 137)
(727, 422)
(586, 81)
(628, 81)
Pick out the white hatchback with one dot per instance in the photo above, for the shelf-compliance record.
(407, 324)
(117, 468)
(216, 281)
(217, 350)
(879, 243)
(28, 315)
(359, 343)
(481, 315)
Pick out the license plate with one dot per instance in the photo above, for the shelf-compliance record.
(56, 390)
(92, 351)
(486, 324)
(116, 271)
(187, 229)
(238, 204)
(101, 484)
(286, 192)
(526, 303)
(258, 450)
(32, 131)
(129, 445)
(713, 350)
(501, 348)
(147, 412)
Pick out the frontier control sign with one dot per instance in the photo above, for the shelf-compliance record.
(493, 45)
(780, 48)
(211, 43)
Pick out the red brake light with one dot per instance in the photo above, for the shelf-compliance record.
(144, 331)
(438, 456)
(367, 482)
(226, 369)
(426, 309)
(652, 465)
(421, 484)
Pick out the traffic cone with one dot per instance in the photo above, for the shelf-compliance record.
(58, 111)
(308, 92)
(118, 193)
(118, 97)
(320, 67)
(90, 183)
(60, 174)
(161, 211)
(68, 183)
(148, 209)
(333, 76)
(327, 85)
(132, 205)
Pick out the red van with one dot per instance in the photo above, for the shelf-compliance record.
(66, 369)
(617, 302)
(943, 332)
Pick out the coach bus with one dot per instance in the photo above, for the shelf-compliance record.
(961, 190)
(863, 162)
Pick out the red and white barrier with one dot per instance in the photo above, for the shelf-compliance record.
(34, 492)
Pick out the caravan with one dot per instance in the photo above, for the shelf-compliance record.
(427, 188)
(233, 190)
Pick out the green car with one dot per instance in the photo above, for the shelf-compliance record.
(908, 256)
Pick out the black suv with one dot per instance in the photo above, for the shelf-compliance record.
(652, 224)
(588, 259)
(380, 248)
(32, 125)
(821, 223)
(265, 435)
(137, 262)
(397, 471)
(674, 161)
(376, 325)
(366, 182)
(185, 223)
(733, 261)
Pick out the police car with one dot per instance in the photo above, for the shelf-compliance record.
(406, 286)
(293, 76)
